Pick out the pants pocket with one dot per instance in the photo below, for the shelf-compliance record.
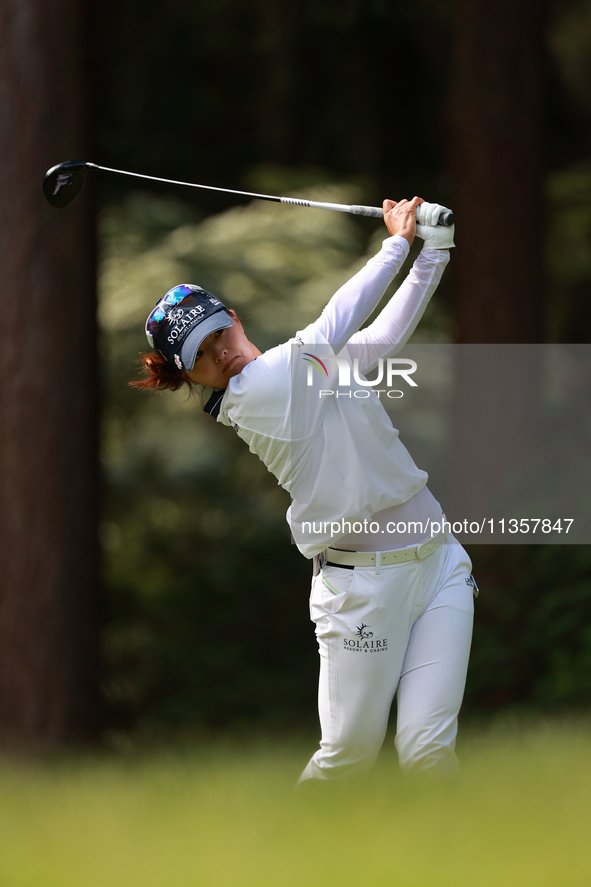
(330, 590)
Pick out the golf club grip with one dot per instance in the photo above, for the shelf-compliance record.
(446, 217)
(376, 212)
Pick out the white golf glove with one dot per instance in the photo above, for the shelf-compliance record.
(435, 236)
(428, 213)
(438, 237)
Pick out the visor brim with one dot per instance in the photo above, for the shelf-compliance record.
(218, 321)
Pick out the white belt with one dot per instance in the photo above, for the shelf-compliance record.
(383, 558)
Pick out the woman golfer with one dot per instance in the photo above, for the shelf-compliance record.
(392, 598)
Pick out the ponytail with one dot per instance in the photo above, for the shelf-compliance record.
(160, 374)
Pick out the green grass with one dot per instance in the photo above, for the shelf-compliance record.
(519, 814)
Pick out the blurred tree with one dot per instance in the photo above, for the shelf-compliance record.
(497, 160)
(497, 139)
(49, 621)
(514, 111)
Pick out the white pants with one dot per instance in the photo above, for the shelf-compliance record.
(405, 629)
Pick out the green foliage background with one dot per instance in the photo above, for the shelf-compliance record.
(208, 625)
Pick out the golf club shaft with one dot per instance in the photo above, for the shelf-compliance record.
(373, 211)
(64, 182)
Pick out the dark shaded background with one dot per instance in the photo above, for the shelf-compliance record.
(485, 107)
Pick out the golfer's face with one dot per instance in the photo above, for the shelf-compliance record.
(222, 354)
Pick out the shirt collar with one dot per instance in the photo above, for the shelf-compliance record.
(214, 403)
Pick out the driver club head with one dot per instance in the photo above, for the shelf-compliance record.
(63, 183)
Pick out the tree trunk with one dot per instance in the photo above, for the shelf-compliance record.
(497, 163)
(49, 588)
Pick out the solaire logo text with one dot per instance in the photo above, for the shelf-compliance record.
(386, 371)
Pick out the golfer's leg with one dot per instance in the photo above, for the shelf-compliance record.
(432, 682)
(354, 700)
(359, 675)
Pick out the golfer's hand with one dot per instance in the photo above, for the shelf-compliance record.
(401, 217)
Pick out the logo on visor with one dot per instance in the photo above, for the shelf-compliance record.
(183, 321)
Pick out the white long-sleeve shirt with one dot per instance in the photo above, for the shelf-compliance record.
(338, 456)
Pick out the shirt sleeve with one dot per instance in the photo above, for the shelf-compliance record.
(353, 303)
(394, 326)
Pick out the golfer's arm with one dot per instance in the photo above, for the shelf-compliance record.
(394, 326)
(353, 303)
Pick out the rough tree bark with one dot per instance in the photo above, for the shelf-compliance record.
(49, 583)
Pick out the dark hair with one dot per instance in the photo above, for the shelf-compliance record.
(161, 375)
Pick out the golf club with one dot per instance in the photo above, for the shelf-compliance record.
(63, 183)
